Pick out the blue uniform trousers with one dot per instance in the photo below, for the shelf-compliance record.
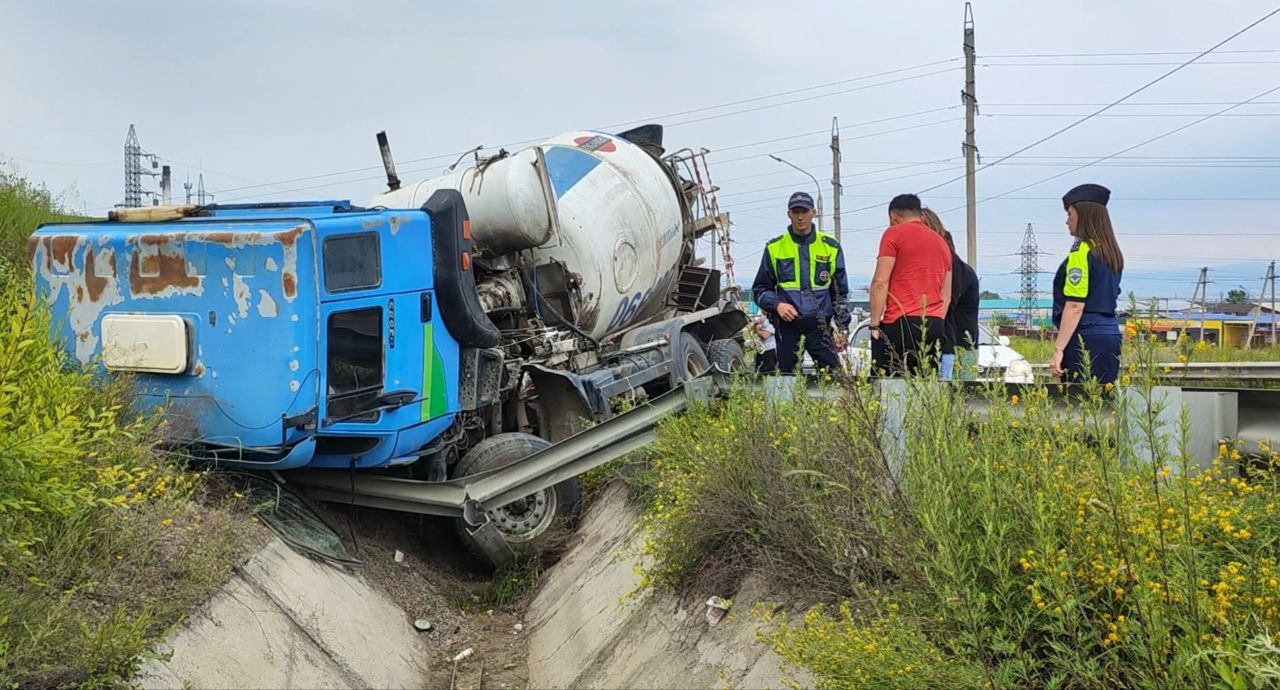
(1103, 354)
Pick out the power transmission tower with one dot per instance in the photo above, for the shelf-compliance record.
(1030, 271)
(1202, 290)
(188, 186)
(201, 195)
(835, 173)
(970, 97)
(133, 170)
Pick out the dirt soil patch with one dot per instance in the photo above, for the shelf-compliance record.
(438, 582)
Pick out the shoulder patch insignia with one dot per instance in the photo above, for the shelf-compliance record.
(1075, 275)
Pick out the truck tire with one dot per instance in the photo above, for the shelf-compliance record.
(688, 359)
(725, 355)
(524, 521)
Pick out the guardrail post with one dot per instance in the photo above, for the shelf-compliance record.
(1166, 403)
(893, 410)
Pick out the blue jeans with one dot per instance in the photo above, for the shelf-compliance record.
(948, 367)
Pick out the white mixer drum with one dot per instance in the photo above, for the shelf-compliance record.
(618, 215)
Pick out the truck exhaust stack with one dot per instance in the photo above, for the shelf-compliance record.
(393, 182)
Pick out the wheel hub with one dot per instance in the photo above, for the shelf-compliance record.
(527, 518)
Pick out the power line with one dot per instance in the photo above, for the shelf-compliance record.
(1145, 104)
(862, 136)
(1113, 104)
(1130, 148)
(864, 123)
(1126, 64)
(780, 94)
(455, 154)
(807, 98)
(1122, 54)
(860, 184)
(991, 115)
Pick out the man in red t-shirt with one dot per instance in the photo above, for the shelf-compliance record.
(910, 292)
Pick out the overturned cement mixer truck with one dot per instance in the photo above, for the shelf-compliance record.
(452, 327)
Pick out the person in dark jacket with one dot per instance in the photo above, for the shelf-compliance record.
(802, 286)
(960, 341)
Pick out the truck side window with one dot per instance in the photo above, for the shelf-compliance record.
(355, 365)
(352, 262)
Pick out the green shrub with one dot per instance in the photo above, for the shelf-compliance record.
(103, 546)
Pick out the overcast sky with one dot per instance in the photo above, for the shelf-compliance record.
(270, 97)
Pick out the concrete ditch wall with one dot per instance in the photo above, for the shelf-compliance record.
(582, 634)
(286, 621)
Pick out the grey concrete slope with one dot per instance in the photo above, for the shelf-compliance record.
(286, 621)
(583, 635)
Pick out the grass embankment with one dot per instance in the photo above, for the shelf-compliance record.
(105, 542)
(1029, 548)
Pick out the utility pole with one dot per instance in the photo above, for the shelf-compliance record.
(1202, 289)
(970, 97)
(188, 187)
(835, 175)
(1268, 283)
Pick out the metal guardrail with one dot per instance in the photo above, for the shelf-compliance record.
(1192, 371)
(469, 496)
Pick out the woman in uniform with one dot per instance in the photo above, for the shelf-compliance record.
(1085, 290)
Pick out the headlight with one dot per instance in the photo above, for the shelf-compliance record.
(1019, 371)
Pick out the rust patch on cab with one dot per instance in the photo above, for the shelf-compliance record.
(289, 284)
(164, 270)
(224, 238)
(61, 248)
(93, 282)
(289, 238)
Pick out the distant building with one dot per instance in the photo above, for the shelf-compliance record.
(1224, 325)
(1010, 310)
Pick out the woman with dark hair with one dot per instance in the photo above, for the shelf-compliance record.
(1085, 290)
(961, 323)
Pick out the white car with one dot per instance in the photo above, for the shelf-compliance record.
(996, 360)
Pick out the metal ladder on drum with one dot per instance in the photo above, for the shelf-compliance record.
(720, 236)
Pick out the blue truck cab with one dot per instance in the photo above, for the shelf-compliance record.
(284, 335)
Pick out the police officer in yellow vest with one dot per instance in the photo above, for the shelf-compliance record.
(802, 286)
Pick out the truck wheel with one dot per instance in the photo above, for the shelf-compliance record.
(688, 360)
(523, 521)
(725, 355)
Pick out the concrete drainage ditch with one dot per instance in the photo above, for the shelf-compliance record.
(289, 621)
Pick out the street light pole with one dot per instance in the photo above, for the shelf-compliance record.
(815, 184)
